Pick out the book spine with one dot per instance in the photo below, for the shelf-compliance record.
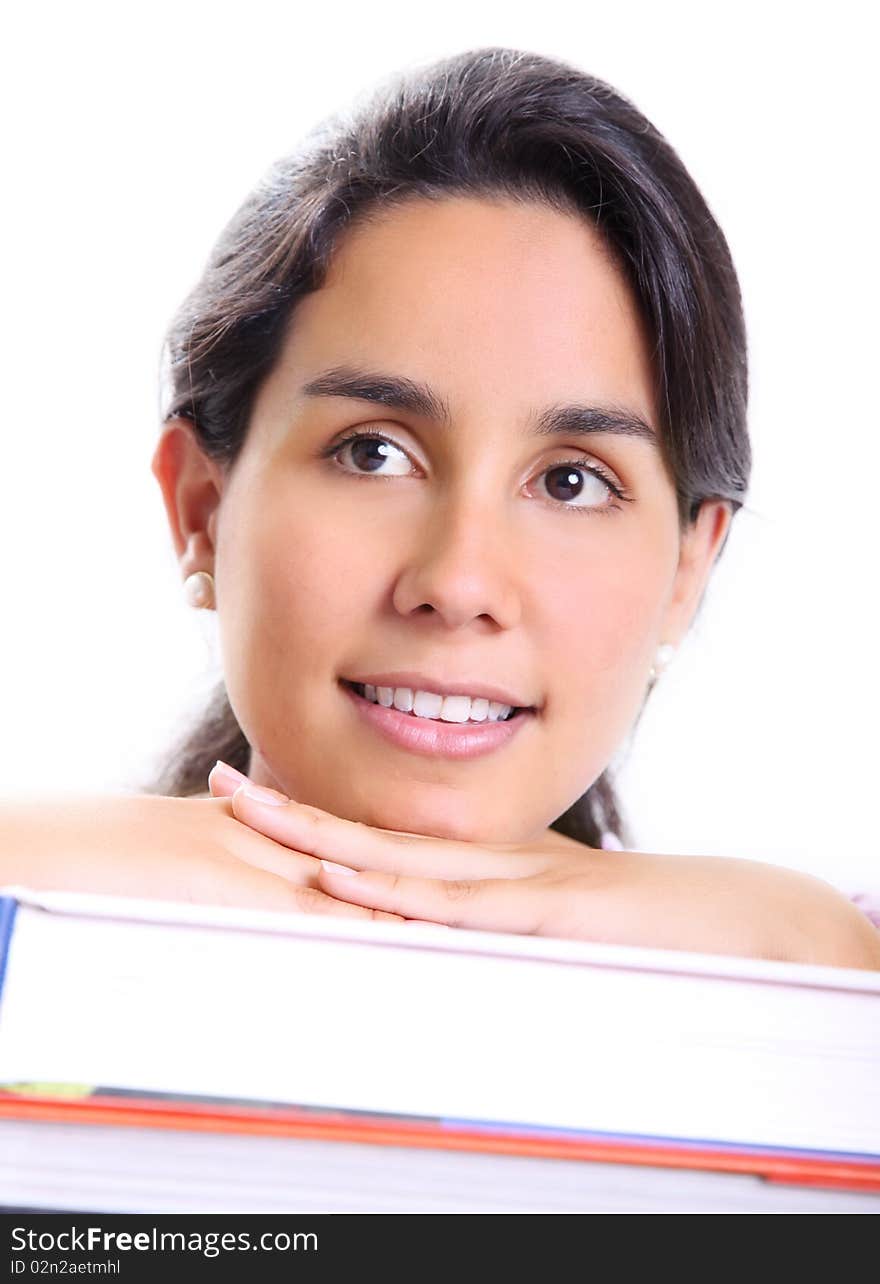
(8, 909)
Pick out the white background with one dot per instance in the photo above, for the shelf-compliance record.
(133, 136)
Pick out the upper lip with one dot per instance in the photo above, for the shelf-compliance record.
(459, 686)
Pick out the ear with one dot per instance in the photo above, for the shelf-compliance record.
(191, 484)
(700, 545)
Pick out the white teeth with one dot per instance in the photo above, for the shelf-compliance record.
(403, 699)
(428, 704)
(456, 708)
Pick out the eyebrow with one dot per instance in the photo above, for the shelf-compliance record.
(399, 393)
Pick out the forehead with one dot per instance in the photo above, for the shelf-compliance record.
(485, 300)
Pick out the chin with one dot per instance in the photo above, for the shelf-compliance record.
(440, 820)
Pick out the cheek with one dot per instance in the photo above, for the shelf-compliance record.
(296, 578)
(602, 616)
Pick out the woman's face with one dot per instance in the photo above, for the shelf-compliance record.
(452, 548)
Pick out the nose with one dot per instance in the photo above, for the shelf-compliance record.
(461, 565)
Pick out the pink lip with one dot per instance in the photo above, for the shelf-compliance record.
(436, 739)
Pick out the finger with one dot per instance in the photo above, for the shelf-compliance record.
(490, 905)
(320, 833)
(256, 849)
(264, 853)
(300, 892)
(312, 900)
(223, 780)
(247, 844)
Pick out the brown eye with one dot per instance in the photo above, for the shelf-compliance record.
(369, 453)
(577, 485)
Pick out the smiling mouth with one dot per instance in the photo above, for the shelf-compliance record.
(517, 711)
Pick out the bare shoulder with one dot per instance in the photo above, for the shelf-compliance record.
(816, 922)
(734, 905)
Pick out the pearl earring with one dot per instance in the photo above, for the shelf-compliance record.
(199, 589)
(662, 658)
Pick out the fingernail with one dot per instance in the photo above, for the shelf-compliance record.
(332, 868)
(223, 771)
(262, 795)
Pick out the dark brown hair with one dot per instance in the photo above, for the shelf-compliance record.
(491, 122)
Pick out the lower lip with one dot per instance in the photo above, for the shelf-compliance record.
(435, 739)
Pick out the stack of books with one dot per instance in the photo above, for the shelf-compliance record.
(161, 1057)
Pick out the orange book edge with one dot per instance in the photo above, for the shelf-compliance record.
(856, 1175)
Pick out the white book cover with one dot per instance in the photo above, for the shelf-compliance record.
(435, 1022)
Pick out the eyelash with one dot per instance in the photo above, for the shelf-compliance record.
(616, 489)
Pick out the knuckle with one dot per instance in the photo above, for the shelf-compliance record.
(459, 889)
(311, 900)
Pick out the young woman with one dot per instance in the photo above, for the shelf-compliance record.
(456, 432)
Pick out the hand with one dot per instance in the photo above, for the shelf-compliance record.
(158, 848)
(561, 888)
